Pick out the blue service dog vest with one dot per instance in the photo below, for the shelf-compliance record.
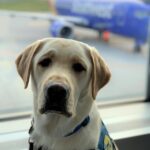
(105, 141)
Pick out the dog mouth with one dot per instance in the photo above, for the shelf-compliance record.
(55, 110)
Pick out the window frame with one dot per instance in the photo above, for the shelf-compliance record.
(148, 74)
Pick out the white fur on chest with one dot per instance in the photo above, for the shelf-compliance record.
(84, 139)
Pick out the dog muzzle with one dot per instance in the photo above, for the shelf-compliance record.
(56, 99)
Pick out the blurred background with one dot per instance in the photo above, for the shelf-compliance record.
(118, 29)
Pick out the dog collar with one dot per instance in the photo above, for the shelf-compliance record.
(84, 123)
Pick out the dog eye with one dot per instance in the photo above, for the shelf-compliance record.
(45, 62)
(77, 67)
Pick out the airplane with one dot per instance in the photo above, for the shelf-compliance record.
(128, 18)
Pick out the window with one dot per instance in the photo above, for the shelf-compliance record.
(116, 39)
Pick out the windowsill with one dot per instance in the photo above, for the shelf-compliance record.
(122, 121)
(128, 120)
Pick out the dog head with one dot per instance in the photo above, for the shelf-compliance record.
(64, 72)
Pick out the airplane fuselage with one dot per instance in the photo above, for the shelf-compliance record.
(125, 17)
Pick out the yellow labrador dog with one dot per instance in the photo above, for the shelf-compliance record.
(66, 76)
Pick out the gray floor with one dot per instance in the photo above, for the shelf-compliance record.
(129, 70)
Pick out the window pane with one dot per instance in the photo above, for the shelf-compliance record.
(118, 37)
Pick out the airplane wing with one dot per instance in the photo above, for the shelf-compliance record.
(46, 16)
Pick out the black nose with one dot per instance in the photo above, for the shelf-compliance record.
(56, 92)
(55, 99)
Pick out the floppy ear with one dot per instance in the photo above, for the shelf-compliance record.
(24, 61)
(100, 72)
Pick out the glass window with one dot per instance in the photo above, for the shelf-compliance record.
(119, 32)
